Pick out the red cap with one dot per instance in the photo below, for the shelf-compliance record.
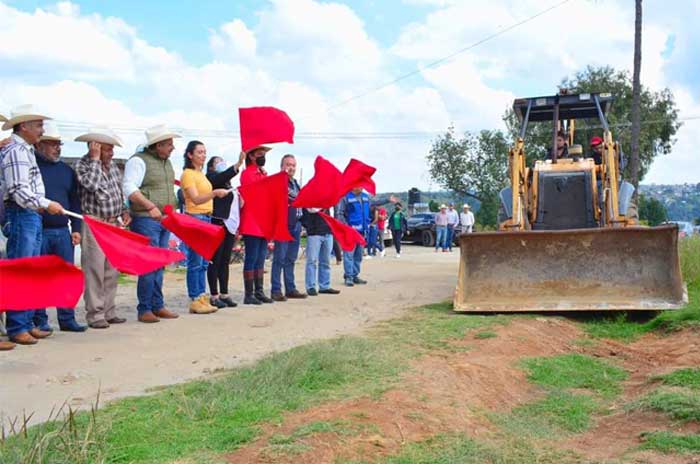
(595, 141)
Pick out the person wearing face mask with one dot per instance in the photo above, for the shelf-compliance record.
(255, 246)
(220, 175)
(61, 185)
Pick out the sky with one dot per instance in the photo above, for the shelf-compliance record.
(333, 66)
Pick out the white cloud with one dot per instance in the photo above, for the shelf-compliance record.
(233, 40)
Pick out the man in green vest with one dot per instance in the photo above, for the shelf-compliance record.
(149, 186)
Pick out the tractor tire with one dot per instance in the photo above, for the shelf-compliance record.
(428, 238)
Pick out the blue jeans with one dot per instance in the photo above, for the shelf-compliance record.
(372, 240)
(23, 231)
(56, 241)
(450, 237)
(440, 240)
(318, 255)
(255, 253)
(283, 258)
(352, 261)
(149, 289)
(196, 267)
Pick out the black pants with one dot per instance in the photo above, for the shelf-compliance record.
(337, 251)
(396, 236)
(217, 272)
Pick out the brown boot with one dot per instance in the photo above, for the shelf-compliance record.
(148, 317)
(24, 338)
(7, 346)
(165, 313)
(39, 334)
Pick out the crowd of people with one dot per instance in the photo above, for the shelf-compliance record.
(38, 189)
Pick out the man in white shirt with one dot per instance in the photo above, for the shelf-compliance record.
(466, 218)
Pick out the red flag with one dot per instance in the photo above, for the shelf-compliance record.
(347, 237)
(358, 174)
(202, 237)
(39, 282)
(328, 185)
(265, 204)
(322, 191)
(264, 124)
(129, 252)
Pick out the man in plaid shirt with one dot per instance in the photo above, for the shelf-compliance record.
(100, 197)
(23, 197)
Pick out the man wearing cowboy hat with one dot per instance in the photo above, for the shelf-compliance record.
(61, 184)
(149, 181)
(441, 221)
(23, 198)
(101, 197)
(466, 219)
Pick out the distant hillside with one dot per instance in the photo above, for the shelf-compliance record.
(682, 202)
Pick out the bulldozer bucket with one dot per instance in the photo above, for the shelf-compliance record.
(633, 268)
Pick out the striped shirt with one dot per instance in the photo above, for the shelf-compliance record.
(100, 190)
(21, 176)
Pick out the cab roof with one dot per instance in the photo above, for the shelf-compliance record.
(571, 106)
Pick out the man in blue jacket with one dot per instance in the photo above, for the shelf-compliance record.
(61, 185)
(353, 210)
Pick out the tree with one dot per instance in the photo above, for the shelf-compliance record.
(651, 210)
(433, 206)
(636, 94)
(659, 117)
(475, 165)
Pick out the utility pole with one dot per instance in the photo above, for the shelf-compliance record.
(636, 95)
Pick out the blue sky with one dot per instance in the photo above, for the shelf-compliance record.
(191, 64)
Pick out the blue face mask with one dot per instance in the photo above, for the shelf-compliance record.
(220, 166)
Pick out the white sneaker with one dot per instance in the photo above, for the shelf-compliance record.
(398, 256)
(368, 257)
(383, 253)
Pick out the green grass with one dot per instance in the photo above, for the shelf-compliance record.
(559, 412)
(689, 378)
(575, 371)
(689, 250)
(667, 442)
(219, 415)
(681, 405)
(485, 335)
(125, 279)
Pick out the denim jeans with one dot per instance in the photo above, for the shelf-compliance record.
(56, 241)
(352, 261)
(23, 231)
(149, 289)
(372, 241)
(197, 267)
(450, 237)
(318, 255)
(440, 240)
(255, 253)
(396, 236)
(283, 258)
(380, 239)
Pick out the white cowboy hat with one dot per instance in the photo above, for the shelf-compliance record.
(50, 132)
(21, 114)
(100, 134)
(466, 205)
(443, 206)
(159, 133)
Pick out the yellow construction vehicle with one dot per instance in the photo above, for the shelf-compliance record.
(568, 237)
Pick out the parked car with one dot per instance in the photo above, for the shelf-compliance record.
(421, 230)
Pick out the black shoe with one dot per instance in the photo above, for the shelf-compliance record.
(251, 300)
(329, 291)
(349, 283)
(261, 297)
(311, 292)
(216, 302)
(358, 281)
(228, 302)
(72, 327)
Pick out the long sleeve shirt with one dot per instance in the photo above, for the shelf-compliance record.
(441, 219)
(100, 189)
(467, 219)
(21, 176)
(452, 218)
(61, 185)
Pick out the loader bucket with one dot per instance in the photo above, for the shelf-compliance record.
(633, 268)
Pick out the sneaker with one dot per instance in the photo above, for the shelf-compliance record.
(311, 292)
(368, 257)
(228, 301)
(358, 281)
(383, 253)
(398, 256)
(199, 307)
(349, 283)
(217, 303)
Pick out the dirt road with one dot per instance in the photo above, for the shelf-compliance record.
(131, 358)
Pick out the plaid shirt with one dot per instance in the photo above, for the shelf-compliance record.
(100, 191)
(21, 176)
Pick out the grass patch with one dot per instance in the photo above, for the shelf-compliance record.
(558, 412)
(290, 444)
(689, 250)
(680, 405)
(575, 371)
(485, 335)
(667, 442)
(125, 279)
(689, 378)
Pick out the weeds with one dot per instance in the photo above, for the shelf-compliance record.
(667, 442)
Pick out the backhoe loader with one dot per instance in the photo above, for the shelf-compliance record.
(568, 237)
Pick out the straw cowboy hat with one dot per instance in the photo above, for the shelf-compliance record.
(443, 206)
(261, 147)
(159, 133)
(50, 132)
(100, 134)
(22, 114)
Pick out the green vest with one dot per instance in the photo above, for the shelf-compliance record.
(158, 183)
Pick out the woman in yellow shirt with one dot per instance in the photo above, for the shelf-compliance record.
(198, 203)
